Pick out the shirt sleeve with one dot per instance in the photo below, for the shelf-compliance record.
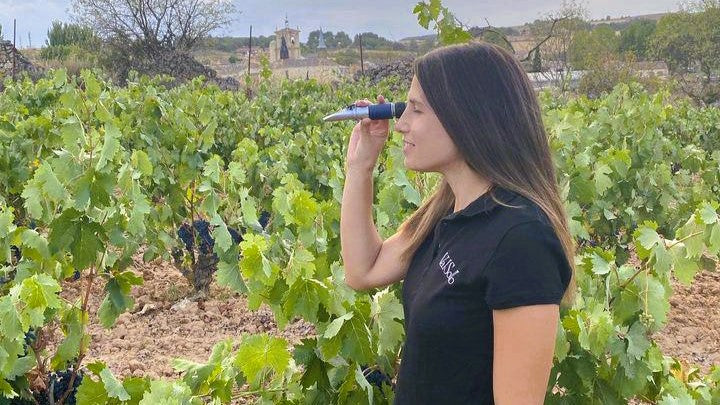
(527, 268)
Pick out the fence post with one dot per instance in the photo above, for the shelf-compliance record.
(14, 51)
(362, 62)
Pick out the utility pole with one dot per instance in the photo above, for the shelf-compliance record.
(14, 49)
(362, 63)
(250, 50)
(29, 40)
(248, 90)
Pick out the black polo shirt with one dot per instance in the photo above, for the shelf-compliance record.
(483, 257)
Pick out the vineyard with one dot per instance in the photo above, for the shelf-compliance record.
(245, 193)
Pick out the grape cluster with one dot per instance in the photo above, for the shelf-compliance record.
(264, 219)
(647, 319)
(30, 338)
(59, 381)
(16, 254)
(202, 233)
(377, 378)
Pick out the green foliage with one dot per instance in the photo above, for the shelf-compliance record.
(588, 48)
(332, 41)
(689, 41)
(636, 38)
(370, 40)
(537, 61)
(232, 44)
(602, 75)
(444, 21)
(66, 38)
(104, 170)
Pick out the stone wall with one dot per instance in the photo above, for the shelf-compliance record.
(181, 66)
(402, 68)
(22, 64)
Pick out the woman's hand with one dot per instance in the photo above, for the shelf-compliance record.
(367, 140)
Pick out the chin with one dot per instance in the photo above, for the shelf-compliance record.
(416, 168)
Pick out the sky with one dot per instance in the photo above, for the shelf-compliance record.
(394, 22)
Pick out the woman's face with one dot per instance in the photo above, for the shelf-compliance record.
(427, 146)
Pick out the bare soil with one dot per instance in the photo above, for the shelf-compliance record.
(164, 324)
(692, 333)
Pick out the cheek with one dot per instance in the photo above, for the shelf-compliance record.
(434, 147)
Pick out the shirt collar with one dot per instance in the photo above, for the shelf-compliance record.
(484, 203)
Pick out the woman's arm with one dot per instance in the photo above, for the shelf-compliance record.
(524, 344)
(369, 261)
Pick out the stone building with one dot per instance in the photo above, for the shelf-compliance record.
(286, 44)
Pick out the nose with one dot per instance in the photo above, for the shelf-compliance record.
(401, 123)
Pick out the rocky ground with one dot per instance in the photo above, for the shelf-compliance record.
(165, 325)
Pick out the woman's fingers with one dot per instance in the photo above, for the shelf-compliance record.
(362, 103)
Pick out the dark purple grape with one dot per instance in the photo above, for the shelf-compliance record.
(264, 219)
(203, 232)
(236, 237)
(377, 377)
(185, 236)
(30, 337)
(204, 236)
(59, 381)
(15, 253)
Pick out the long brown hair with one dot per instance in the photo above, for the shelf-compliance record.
(484, 100)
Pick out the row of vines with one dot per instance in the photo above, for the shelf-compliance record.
(246, 193)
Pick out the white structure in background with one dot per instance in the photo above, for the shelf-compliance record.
(321, 40)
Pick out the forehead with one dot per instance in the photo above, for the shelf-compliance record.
(416, 93)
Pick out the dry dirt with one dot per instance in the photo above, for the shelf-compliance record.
(693, 329)
(163, 325)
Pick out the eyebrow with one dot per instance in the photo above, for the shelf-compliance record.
(414, 101)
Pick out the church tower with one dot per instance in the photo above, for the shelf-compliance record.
(286, 44)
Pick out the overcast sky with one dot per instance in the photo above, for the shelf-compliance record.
(393, 19)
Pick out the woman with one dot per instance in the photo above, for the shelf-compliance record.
(485, 258)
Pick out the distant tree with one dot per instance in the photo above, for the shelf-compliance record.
(62, 38)
(537, 61)
(554, 35)
(509, 31)
(342, 40)
(689, 43)
(68, 34)
(314, 39)
(329, 38)
(636, 38)
(373, 41)
(588, 47)
(154, 24)
(493, 35)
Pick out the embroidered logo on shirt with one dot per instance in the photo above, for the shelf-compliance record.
(447, 265)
